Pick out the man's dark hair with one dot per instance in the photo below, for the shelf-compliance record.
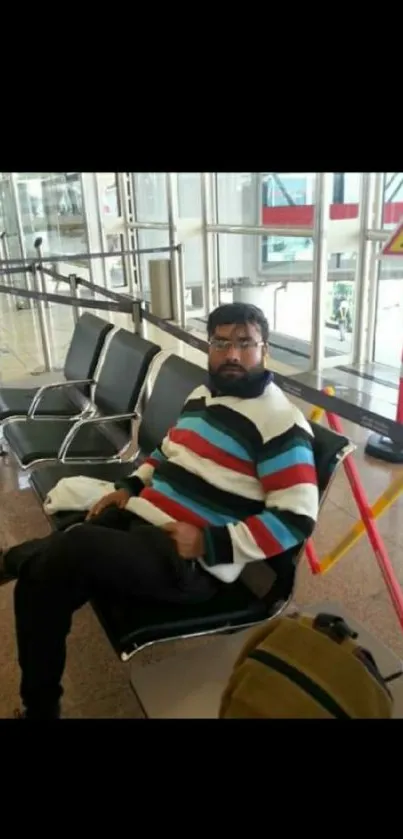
(240, 314)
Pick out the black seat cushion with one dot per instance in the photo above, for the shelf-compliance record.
(130, 624)
(44, 479)
(15, 402)
(34, 440)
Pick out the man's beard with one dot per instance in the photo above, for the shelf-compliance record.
(247, 384)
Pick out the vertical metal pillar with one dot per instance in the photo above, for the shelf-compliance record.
(361, 295)
(125, 185)
(38, 248)
(136, 317)
(215, 237)
(375, 222)
(43, 327)
(3, 258)
(207, 284)
(320, 267)
(20, 231)
(95, 267)
(177, 276)
(134, 233)
(73, 292)
(102, 236)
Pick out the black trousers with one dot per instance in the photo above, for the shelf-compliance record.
(116, 552)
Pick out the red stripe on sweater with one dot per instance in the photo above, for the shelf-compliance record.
(196, 444)
(151, 461)
(172, 508)
(263, 537)
(290, 477)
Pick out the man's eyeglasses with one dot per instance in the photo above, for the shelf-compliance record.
(243, 344)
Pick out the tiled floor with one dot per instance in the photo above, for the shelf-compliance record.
(96, 683)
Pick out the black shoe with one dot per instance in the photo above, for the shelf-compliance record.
(5, 577)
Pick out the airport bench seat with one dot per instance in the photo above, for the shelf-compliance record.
(174, 381)
(117, 391)
(68, 397)
(130, 627)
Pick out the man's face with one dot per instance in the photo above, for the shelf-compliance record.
(236, 351)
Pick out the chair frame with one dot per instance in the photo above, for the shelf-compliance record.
(44, 389)
(88, 407)
(88, 417)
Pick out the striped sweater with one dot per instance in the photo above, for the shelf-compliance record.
(243, 470)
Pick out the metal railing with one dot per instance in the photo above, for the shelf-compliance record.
(38, 269)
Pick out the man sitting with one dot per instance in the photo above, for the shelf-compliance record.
(233, 482)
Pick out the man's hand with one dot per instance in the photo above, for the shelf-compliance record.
(114, 499)
(189, 539)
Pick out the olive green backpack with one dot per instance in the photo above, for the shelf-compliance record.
(301, 667)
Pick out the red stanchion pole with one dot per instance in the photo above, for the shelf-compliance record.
(374, 536)
(312, 558)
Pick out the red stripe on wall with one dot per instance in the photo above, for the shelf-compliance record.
(302, 216)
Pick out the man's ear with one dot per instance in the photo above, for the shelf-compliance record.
(266, 356)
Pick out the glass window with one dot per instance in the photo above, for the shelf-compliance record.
(236, 197)
(189, 194)
(114, 264)
(345, 195)
(109, 195)
(151, 196)
(194, 273)
(8, 218)
(340, 303)
(286, 199)
(51, 207)
(392, 200)
(288, 249)
(284, 294)
(244, 255)
(389, 315)
(151, 239)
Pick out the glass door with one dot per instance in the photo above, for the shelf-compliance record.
(341, 281)
(12, 241)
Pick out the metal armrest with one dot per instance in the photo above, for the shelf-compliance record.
(42, 390)
(71, 435)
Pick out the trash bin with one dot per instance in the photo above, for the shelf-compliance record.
(161, 288)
